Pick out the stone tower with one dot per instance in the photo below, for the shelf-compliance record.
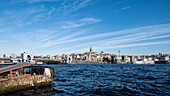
(91, 50)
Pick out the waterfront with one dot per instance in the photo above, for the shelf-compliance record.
(107, 79)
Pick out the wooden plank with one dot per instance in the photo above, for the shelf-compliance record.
(13, 67)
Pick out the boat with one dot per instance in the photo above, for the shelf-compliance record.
(144, 61)
(39, 62)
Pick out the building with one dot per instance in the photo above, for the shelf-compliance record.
(164, 58)
(5, 61)
(26, 57)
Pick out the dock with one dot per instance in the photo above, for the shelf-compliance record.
(15, 77)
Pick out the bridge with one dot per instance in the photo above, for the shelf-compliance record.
(34, 60)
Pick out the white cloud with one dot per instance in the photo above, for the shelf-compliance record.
(38, 1)
(162, 28)
(79, 23)
(99, 48)
(25, 16)
(115, 39)
(68, 6)
(53, 9)
(134, 39)
(124, 8)
(33, 1)
(63, 7)
(136, 44)
(45, 39)
(61, 40)
(130, 35)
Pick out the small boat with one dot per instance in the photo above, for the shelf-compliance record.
(39, 62)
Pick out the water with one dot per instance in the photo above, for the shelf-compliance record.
(107, 80)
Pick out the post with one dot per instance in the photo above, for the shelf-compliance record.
(31, 70)
(10, 74)
(20, 72)
(17, 73)
(23, 70)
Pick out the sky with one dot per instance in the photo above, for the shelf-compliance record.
(54, 27)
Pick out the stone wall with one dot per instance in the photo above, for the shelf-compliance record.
(24, 82)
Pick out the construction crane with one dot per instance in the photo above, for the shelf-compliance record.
(118, 51)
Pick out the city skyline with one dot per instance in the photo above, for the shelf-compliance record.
(73, 26)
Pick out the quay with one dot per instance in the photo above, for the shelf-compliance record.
(85, 62)
(16, 77)
(162, 62)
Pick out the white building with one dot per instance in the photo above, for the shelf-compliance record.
(26, 57)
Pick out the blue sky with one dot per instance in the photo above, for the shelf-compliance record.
(54, 27)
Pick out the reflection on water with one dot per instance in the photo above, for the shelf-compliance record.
(107, 79)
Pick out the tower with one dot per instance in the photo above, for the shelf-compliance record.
(91, 50)
(90, 53)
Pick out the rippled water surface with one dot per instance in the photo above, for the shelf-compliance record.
(108, 79)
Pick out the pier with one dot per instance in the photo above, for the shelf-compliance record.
(15, 77)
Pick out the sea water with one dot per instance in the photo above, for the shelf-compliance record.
(106, 80)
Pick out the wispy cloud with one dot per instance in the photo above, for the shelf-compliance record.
(99, 48)
(33, 1)
(116, 42)
(135, 44)
(136, 34)
(63, 7)
(124, 8)
(25, 16)
(79, 23)
(61, 40)
(52, 9)
(117, 39)
(45, 40)
(48, 38)
(162, 28)
(38, 1)
(72, 5)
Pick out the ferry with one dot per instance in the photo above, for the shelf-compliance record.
(144, 61)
